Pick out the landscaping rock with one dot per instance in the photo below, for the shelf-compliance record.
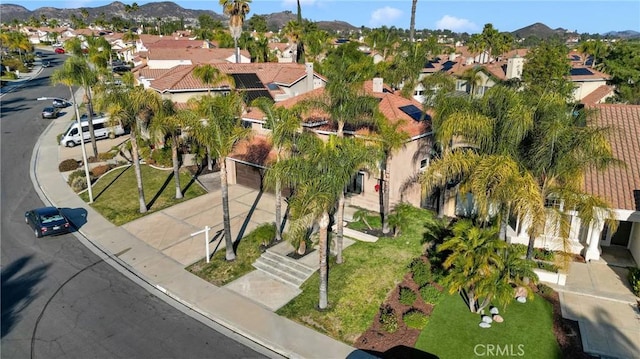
(521, 299)
(487, 319)
(484, 325)
(497, 318)
(494, 310)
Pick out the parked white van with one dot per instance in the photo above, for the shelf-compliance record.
(101, 128)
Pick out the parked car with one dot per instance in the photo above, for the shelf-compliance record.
(50, 112)
(46, 64)
(121, 69)
(61, 103)
(59, 50)
(38, 54)
(47, 221)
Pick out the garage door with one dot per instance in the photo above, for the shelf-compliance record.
(248, 176)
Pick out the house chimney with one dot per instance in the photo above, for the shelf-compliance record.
(378, 85)
(514, 67)
(309, 69)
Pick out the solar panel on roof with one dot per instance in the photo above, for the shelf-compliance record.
(580, 71)
(249, 96)
(273, 87)
(413, 111)
(247, 81)
(447, 65)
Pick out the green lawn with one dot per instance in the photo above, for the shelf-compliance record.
(359, 286)
(220, 272)
(527, 331)
(116, 193)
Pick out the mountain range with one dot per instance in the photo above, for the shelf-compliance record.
(172, 11)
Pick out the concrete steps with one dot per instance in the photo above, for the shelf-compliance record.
(283, 268)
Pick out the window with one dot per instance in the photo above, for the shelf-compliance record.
(551, 202)
(356, 185)
(98, 126)
(424, 163)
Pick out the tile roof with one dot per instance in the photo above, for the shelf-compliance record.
(257, 150)
(619, 186)
(598, 95)
(196, 55)
(390, 104)
(180, 78)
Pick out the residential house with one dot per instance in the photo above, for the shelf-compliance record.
(247, 168)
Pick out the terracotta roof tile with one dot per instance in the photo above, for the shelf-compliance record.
(619, 186)
(598, 95)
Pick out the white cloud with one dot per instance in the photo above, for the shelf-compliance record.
(456, 25)
(384, 16)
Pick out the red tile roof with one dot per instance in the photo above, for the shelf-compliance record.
(390, 104)
(619, 186)
(598, 95)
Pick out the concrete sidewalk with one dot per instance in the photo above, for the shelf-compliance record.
(155, 260)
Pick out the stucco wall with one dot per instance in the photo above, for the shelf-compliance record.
(634, 242)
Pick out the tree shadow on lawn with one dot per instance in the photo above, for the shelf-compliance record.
(111, 183)
(162, 188)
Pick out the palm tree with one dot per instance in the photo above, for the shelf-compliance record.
(211, 76)
(133, 107)
(513, 156)
(221, 131)
(481, 267)
(168, 122)
(284, 125)
(390, 137)
(236, 10)
(473, 79)
(314, 175)
(412, 24)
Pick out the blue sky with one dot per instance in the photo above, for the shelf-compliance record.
(506, 15)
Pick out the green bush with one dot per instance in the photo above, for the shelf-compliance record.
(388, 319)
(100, 170)
(105, 156)
(549, 267)
(415, 319)
(407, 296)
(519, 249)
(544, 254)
(68, 165)
(634, 280)
(430, 294)
(421, 271)
(264, 233)
(544, 289)
(77, 180)
(162, 157)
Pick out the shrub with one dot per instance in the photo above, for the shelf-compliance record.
(549, 267)
(59, 137)
(407, 296)
(162, 157)
(98, 171)
(634, 280)
(105, 156)
(415, 319)
(430, 294)
(544, 254)
(544, 290)
(68, 165)
(388, 319)
(519, 249)
(421, 271)
(264, 233)
(77, 180)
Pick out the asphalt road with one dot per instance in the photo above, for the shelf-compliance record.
(59, 300)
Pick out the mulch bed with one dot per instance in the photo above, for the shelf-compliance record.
(377, 341)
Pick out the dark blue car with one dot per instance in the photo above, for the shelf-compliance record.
(47, 221)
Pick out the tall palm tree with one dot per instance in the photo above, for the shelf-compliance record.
(389, 137)
(512, 155)
(236, 10)
(168, 122)
(133, 107)
(412, 24)
(285, 126)
(314, 173)
(221, 131)
(211, 76)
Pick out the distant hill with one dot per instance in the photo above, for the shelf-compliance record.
(163, 10)
(541, 31)
(628, 34)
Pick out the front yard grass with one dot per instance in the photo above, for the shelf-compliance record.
(116, 193)
(220, 272)
(527, 331)
(360, 285)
